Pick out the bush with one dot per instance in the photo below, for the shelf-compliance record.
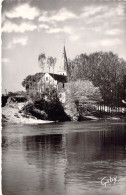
(53, 109)
(83, 96)
(30, 109)
(46, 109)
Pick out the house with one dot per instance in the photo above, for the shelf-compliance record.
(50, 80)
(43, 82)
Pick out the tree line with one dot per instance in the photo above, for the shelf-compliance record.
(105, 69)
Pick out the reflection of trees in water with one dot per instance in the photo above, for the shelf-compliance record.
(4, 142)
(46, 152)
(90, 156)
(11, 142)
(43, 147)
(113, 143)
(95, 154)
(88, 146)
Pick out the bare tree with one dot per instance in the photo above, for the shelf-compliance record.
(53, 64)
(50, 62)
(41, 59)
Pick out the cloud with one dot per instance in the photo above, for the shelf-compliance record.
(110, 42)
(5, 60)
(62, 15)
(98, 15)
(24, 11)
(96, 29)
(22, 40)
(44, 26)
(120, 10)
(17, 40)
(92, 10)
(114, 31)
(21, 28)
(65, 29)
(114, 12)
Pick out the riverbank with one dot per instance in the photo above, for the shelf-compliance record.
(12, 113)
(17, 113)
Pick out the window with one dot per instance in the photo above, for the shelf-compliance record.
(46, 78)
(63, 85)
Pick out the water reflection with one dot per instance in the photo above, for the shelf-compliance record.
(94, 156)
(65, 163)
(47, 154)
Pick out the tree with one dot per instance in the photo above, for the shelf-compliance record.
(83, 91)
(81, 98)
(41, 59)
(50, 61)
(104, 69)
(53, 63)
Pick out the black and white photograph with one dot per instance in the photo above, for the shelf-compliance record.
(63, 97)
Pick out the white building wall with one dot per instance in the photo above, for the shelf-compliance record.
(46, 80)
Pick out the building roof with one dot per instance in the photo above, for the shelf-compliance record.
(32, 80)
(58, 77)
(37, 77)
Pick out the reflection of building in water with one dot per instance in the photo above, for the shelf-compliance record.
(46, 152)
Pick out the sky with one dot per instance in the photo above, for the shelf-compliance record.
(31, 27)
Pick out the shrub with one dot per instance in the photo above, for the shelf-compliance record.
(83, 96)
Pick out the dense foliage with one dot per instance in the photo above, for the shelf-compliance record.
(105, 69)
(47, 106)
(84, 90)
(31, 79)
(53, 108)
(81, 98)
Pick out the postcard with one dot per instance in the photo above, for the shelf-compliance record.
(63, 97)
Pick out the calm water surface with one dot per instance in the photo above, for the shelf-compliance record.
(67, 158)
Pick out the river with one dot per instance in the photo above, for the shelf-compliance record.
(68, 158)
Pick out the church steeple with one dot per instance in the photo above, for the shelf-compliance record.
(65, 60)
(64, 63)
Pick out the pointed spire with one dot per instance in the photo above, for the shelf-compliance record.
(65, 60)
